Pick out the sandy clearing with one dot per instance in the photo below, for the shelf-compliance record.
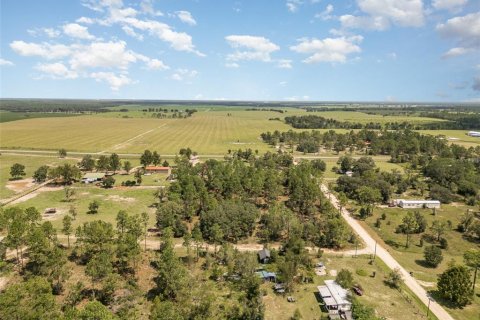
(20, 185)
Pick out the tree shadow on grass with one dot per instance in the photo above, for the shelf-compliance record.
(436, 295)
(423, 263)
(393, 244)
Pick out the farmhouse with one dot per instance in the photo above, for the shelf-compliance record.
(336, 300)
(194, 160)
(264, 255)
(473, 134)
(93, 177)
(155, 169)
(417, 204)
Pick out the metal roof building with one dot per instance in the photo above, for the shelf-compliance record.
(336, 300)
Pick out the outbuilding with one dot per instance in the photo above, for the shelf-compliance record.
(336, 300)
(156, 169)
(473, 134)
(264, 255)
(418, 204)
(91, 177)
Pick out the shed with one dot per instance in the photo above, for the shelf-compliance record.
(156, 169)
(264, 255)
(90, 177)
(267, 276)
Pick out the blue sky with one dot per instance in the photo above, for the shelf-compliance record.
(366, 50)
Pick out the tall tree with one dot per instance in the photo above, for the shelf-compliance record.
(103, 163)
(145, 219)
(438, 228)
(17, 171)
(472, 259)
(40, 175)
(32, 299)
(87, 163)
(455, 285)
(62, 153)
(409, 226)
(156, 158)
(114, 162)
(67, 227)
(146, 158)
(171, 278)
(127, 166)
(99, 267)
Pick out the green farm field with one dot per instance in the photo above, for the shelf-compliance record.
(210, 131)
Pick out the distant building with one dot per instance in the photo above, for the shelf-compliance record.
(267, 276)
(155, 169)
(264, 255)
(336, 300)
(417, 204)
(473, 134)
(194, 160)
(91, 177)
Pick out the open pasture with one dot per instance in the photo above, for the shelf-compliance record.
(210, 131)
(31, 164)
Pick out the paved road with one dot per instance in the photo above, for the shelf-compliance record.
(383, 254)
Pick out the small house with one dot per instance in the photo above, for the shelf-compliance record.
(267, 276)
(91, 177)
(156, 169)
(336, 300)
(418, 204)
(264, 255)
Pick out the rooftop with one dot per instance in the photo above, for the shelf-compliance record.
(333, 294)
(94, 175)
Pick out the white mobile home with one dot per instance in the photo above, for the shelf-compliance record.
(473, 134)
(418, 204)
(336, 300)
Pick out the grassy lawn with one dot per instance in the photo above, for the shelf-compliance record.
(362, 117)
(412, 258)
(387, 302)
(133, 200)
(31, 164)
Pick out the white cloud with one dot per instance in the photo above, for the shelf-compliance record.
(284, 64)
(250, 48)
(57, 70)
(451, 5)
(7, 63)
(392, 55)
(184, 74)
(75, 30)
(103, 55)
(297, 98)
(44, 50)
(186, 17)
(328, 49)
(115, 81)
(147, 7)
(116, 13)
(155, 64)
(49, 32)
(129, 31)
(455, 52)
(292, 5)
(282, 83)
(465, 30)
(325, 14)
(85, 20)
(232, 65)
(382, 13)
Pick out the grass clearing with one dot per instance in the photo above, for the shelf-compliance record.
(387, 302)
(412, 258)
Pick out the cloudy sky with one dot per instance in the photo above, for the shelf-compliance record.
(383, 50)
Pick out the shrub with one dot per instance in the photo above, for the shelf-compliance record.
(361, 272)
(344, 278)
(433, 256)
(443, 243)
(394, 279)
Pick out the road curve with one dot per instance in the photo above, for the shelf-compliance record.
(384, 255)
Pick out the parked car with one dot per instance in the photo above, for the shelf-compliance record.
(358, 290)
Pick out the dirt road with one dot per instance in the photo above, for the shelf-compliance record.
(383, 254)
